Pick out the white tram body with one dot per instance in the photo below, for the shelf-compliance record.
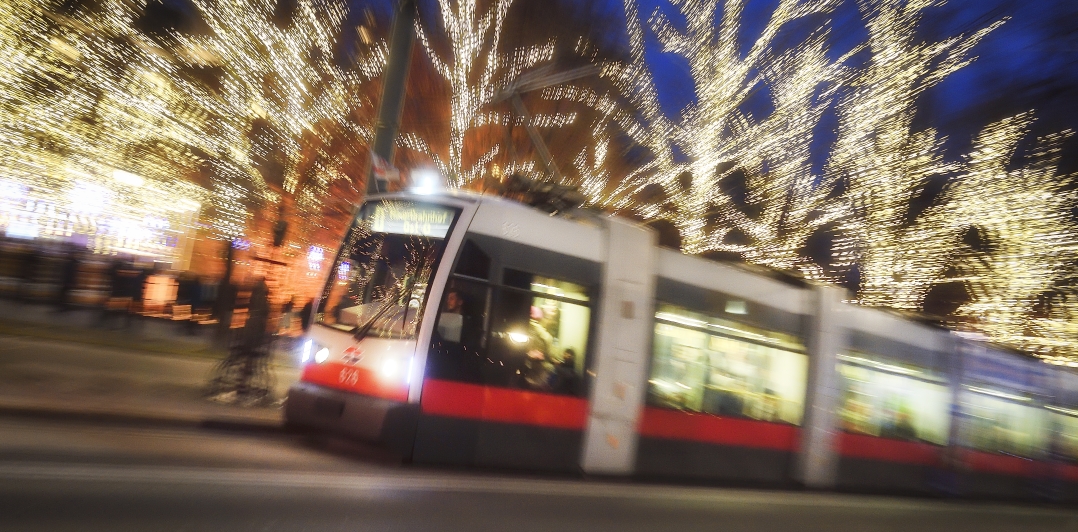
(473, 330)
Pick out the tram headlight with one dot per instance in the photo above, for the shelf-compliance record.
(518, 337)
(321, 355)
(305, 351)
(389, 369)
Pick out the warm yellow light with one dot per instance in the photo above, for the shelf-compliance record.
(127, 178)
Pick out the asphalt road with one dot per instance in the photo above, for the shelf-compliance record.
(69, 475)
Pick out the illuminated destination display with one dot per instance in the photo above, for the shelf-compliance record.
(410, 219)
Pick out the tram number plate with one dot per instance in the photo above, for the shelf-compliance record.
(328, 407)
(348, 376)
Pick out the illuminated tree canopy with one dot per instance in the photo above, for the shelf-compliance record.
(257, 111)
(735, 176)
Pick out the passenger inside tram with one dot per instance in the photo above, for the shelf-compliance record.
(537, 364)
(564, 379)
(451, 319)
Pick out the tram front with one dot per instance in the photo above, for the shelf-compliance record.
(361, 370)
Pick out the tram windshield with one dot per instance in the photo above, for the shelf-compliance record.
(380, 281)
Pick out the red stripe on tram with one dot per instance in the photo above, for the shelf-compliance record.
(486, 403)
(708, 428)
(354, 379)
(876, 448)
(1069, 472)
(999, 463)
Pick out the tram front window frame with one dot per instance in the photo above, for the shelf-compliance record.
(384, 268)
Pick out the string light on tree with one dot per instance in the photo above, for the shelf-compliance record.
(475, 69)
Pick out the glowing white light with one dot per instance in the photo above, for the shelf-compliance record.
(22, 229)
(426, 181)
(997, 393)
(389, 369)
(322, 355)
(518, 337)
(306, 351)
(737, 307)
(315, 256)
(87, 198)
(127, 178)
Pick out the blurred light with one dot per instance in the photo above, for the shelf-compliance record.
(426, 181)
(389, 369)
(22, 229)
(322, 355)
(736, 307)
(127, 178)
(305, 351)
(518, 337)
(996, 393)
(315, 256)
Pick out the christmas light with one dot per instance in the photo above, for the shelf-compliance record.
(735, 175)
(475, 68)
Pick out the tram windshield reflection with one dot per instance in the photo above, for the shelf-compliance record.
(383, 271)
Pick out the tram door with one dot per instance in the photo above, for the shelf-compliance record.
(622, 349)
(506, 377)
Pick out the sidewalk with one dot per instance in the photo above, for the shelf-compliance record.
(82, 325)
(57, 365)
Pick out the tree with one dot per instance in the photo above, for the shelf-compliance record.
(734, 167)
(886, 162)
(278, 95)
(91, 130)
(469, 52)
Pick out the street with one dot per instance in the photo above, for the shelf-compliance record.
(71, 475)
(95, 438)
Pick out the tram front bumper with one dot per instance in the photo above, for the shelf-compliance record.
(372, 419)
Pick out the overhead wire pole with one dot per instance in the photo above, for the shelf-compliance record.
(394, 85)
(536, 138)
(539, 79)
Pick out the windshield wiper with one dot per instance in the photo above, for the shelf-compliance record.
(363, 331)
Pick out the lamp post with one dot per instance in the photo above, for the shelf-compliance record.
(394, 85)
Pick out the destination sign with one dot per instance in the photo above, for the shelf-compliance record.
(406, 218)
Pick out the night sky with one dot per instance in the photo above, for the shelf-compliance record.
(1028, 63)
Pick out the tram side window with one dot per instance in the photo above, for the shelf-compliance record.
(530, 333)
(892, 400)
(459, 341)
(1004, 422)
(539, 334)
(460, 333)
(706, 364)
(1066, 426)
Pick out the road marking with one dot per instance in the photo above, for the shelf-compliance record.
(410, 482)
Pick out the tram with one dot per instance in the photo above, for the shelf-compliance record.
(473, 330)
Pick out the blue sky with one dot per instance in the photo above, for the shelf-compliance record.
(1013, 63)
